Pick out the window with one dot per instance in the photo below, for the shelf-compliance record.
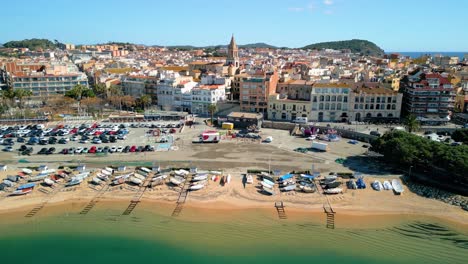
(284, 107)
(379, 115)
(368, 115)
(274, 106)
(378, 99)
(377, 106)
(273, 115)
(283, 116)
(327, 98)
(372, 100)
(322, 98)
(339, 98)
(345, 99)
(338, 106)
(327, 106)
(321, 106)
(393, 107)
(304, 108)
(294, 107)
(332, 106)
(372, 106)
(356, 106)
(356, 100)
(367, 106)
(389, 99)
(333, 98)
(315, 99)
(388, 106)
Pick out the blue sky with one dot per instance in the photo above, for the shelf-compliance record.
(394, 25)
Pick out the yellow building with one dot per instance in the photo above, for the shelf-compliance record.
(286, 109)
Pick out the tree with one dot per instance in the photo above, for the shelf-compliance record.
(212, 109)
(20, 94)
(91, 104)
(115, 90)
(76, 92)
(100, 90)
(412, 124)
(145, 100)
(128, 101)
(460, 135)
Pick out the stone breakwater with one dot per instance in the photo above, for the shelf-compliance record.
(441, 195)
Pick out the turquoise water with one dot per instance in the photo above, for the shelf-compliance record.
(107, 237)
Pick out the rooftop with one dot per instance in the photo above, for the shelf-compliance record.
(245, 115)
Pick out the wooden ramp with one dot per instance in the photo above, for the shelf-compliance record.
(94, 201)
(182, 197)
(50, 193)
(137, 198)
(280, 210)
(35, 210)
(330, 216)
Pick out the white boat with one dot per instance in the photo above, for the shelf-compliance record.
(266, 185)
(287, 182)
(200, 177)
(228, 179)
(27, 171)
(269, 191)
(73, 182)
(387, 185)
(135, 180)
(216, 172)
(331, 177)
(213, 177)
(96, 180)
(118, 181)
(307, 189)
(197, 187)
(102, 176)
(181, 172)
(200, 182)
(397, 187)
(139, 176)
(49, 181)
(249, 179)
(176, 181)
(333, 191)
(288, 188)
(38, 178)
(159, 178)
(268, 182)
(377, 185)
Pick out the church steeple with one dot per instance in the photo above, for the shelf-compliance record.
(233, 53)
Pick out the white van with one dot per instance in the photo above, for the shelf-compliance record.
(300, 120)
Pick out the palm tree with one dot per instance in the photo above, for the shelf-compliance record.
(412, 123)
(20, 94)
(145, 100)
(212, 109)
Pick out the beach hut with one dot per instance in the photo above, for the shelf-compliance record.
(3, 167)
(122, 168)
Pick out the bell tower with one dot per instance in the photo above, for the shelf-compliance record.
(233, 53)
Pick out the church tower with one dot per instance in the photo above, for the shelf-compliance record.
(233, 53)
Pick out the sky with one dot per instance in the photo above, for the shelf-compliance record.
(394, 25)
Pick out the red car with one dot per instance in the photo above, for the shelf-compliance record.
(92, 149)
(73, 131)
(133, 148)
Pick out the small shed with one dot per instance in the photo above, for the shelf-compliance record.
(3, 167)
(122, 168)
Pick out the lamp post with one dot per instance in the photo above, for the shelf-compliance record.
(409, 172)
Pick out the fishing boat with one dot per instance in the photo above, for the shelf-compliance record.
(387, 185)
(268, 190)
(39, 177)
(217, 178)
(26, 186)
(156, 183)
(74, 182)
(287, 182)
(216, 172)
(135, 180)
(377, 185)
(269, 182)
(48, 182)
(228, 178)
(288, 188)
(360, 183)
(332, 185)
(307, 189)
(200, 177)
(181, 172)
(352, 185)
(102, 176)
(223, 180)
(266, 185)
(333, 191)
(213, 177)
(331, 177)
(118, 181)
(249, 179)
(286, 177)
(21, 192)
(197, 187)
(199, 182)
(159, 178)
(397, 187)
(96, 180)
(176, 180)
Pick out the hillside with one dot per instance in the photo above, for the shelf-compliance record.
(32, 44)
(246, 46)
(355, 45)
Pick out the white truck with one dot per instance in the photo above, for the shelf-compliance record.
(208, 137)
(320, 146)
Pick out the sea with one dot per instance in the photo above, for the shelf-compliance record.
(106, 236)
(417, 54)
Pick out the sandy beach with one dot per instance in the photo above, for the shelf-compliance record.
(354, 208)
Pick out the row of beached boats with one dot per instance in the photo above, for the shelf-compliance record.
(199, 179)
(395, 185)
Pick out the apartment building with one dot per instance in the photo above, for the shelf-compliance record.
(205, 95)
(255, 90)
(174, 93)
(284, 109)
(429, 96)
(375, 104)
(330, 102)
(43, 80)
(137, 86)
(295, 89)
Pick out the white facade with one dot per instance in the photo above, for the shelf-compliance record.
(205, 95)
(175, 93)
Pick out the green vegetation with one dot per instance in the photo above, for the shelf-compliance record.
(460, 135)
(79, 91)
(437, 161)
(212, 109)
(411, 123)
(355, 45)
(32, 44)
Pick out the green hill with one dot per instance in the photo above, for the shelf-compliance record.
(355, 45)
(32, 44)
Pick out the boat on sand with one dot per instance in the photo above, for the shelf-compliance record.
(21, 192)
(397, 187)
(333, 191)
(249, 179)
(387, 185)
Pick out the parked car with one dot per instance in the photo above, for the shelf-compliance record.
(8, 149)
(42, 151)
(85, 150)
(92, 149)
(78, 150)
(64, 151)
(120, 149)
(50, 151)
(126, 149)
(133, 148)
(96, 141)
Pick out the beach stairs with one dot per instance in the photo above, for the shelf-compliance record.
(35, 210)
(94, 201)
(280, 210)
(330, 216)
(182, 197)
(137, 198)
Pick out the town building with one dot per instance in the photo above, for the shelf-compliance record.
(174, 92)
(284, 109)
(137, 86)
(429, 96)
(255, 89)
(205, 95)
(330, 102)
(375, 104)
